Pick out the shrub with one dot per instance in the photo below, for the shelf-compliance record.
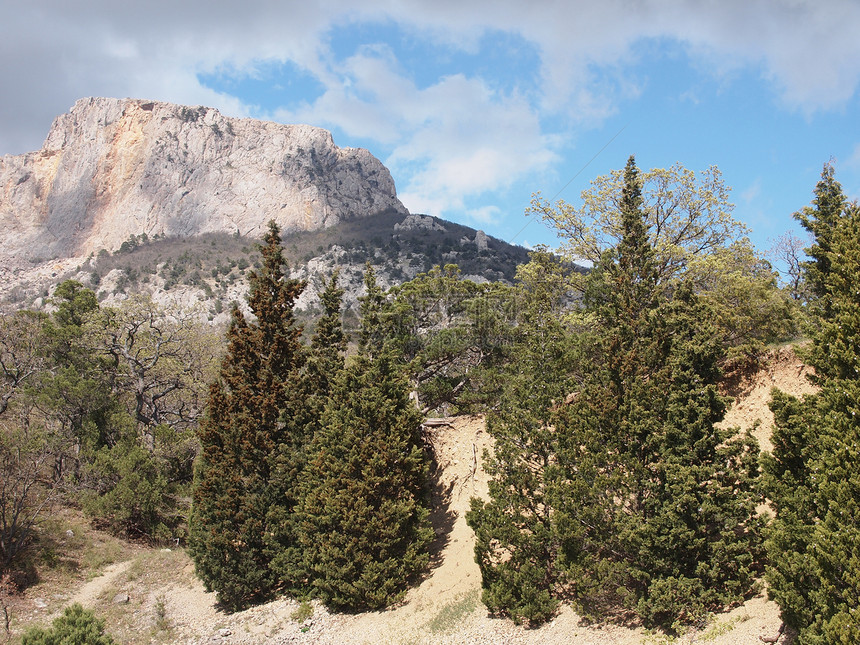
(77, 626)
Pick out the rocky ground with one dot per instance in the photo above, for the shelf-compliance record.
(152, 596)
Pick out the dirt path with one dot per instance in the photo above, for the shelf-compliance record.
(92, 590)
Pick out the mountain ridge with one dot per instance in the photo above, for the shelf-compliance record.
(123, 192)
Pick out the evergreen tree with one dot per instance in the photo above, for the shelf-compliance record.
(820, 220)
(627, 495)
(304, 414)
(812, 475)
(679, 533)
(688, 531)
(519, 540)
(328, 344)
(372, 332)
(363, 513)
(77, 390)
(77, 626)
(255, 416)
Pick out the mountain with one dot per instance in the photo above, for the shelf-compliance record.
(129, 195)
(113, 168)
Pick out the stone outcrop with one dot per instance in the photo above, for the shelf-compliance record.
(419, 223)
(112, 168)
(481, 240)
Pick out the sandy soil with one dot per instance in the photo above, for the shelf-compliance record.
(783, 370)
(445, 608)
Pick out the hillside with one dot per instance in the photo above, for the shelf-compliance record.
(151, 596)
(206, 272)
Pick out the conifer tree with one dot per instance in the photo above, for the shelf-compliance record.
(812, 475)
(255, 414)
(76, 626)
(305, 415)
(820, 220)
(519, 538)
(627, 495)
(363, 514)
(679, 533)
(372, 332)
(328, 343)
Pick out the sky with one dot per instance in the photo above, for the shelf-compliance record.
(476, 105)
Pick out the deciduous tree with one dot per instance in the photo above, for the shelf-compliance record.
(689, 223)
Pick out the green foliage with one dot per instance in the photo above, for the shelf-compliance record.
(133, 495)
(328, 344)
(25, 495)
(449, 331)
(821, 220)
(242, 492)
(693, 236)
(679, 495)
(751, 310)
(520, 536)
(451, 616)
(304, 611)
(77, 626)
(372, 332)
(811, 474)
(363, 516)
(625, 495)
(686, 216)
(85, 392)
(116, 390)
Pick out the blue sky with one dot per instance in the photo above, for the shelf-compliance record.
(474, 106)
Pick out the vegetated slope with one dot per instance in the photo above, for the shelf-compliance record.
(445, 607)
(207, 271)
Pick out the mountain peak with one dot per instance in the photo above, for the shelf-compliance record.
(113, 168)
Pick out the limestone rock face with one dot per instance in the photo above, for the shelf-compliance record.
(112, 168)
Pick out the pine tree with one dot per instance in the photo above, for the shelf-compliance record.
(255, 415)
(812, 476)
(363, 514)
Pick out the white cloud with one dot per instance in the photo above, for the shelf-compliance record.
(484, 215)
(451, 139)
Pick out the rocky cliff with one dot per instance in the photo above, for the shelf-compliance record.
(112, 168)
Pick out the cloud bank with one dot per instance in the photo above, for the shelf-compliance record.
(452, 131)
